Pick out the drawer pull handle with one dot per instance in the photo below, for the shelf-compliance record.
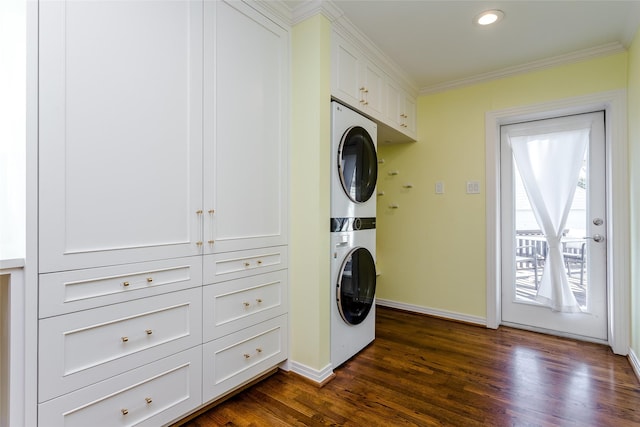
(148, 400)
(149, 331)
(149, 279)
(125, 284)
(124, 411)
(246, 264)
(259, 300)
(124, 339)
(247, 355)
(246, 304)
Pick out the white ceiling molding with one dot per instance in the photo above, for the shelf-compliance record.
(311, 8)
(277, 10)
(580, 55)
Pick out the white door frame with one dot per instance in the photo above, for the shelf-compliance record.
(614, 103)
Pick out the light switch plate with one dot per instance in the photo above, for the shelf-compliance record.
(473, 187)
(439, 187)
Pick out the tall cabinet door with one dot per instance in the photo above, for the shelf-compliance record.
(120, 123)
(246, 129)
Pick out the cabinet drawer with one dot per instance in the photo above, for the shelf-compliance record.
(235, 359)
(82, 348)
(234, 265)
(152, 395)
(83, 289)
(237, 304)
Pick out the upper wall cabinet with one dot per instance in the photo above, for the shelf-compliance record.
(401, 108)
(120, 131)
(246, 128)
(359, 83)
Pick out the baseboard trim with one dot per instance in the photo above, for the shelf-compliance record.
(449, 315)
(318, 377)
(635, 362)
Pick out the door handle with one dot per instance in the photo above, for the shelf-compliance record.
(596, 238)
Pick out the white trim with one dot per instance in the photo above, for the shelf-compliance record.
(311, 8)
(580, 55)
(317, 376)
(445, 314)
(618, 287)
(31, 261)
(635, 362)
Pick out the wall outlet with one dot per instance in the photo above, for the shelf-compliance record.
(439, 187)
(473, 187)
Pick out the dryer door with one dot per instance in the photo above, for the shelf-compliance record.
(356, 286)
(357, 164)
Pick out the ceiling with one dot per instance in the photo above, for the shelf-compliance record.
(436, 43)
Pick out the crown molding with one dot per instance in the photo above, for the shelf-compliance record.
(577, 56)
(311, 8)
(278, 10)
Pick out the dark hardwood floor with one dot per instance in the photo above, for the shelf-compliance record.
(423, 371)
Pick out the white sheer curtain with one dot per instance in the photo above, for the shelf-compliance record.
(549, 162)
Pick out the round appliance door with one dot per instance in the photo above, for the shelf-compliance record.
(357, 164)
(356, 286)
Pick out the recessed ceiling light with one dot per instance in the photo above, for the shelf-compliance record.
(489, 17)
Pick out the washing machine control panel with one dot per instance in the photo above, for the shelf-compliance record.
(352, 224)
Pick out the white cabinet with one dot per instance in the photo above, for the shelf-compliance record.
(246, 128)
(401, 109)
(79, 349)
(163, 165)
(120, 132)
(152, 395)
(144, 157)
(235, 359)
(237, 304)
(69, 291)
(355, 80)
(358, 82)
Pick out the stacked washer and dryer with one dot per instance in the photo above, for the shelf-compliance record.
(354, 172)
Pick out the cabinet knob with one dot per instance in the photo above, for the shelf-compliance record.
(148, 400)
(211, 242)
(149, 331)
(124, 411)
(149, 279)
(259, 350)
(246, 264)
(124, 339)
(199, 243)
(247, 355)
(259, 300)
(246, 304)
(211, 211)
(125, 284)
(259, 261)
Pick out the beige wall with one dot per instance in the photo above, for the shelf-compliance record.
(634, 187)
(310, 148)
(431, 250)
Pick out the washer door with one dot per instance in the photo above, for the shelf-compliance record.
(357, 164)
(356, 286)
